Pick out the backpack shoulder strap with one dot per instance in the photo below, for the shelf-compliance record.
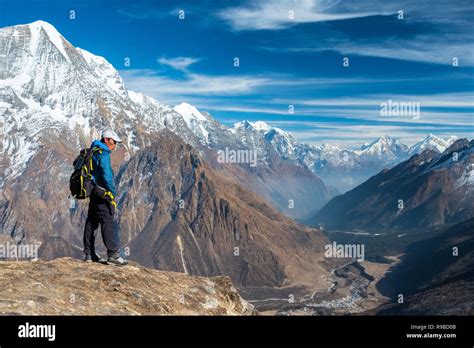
(94, 150)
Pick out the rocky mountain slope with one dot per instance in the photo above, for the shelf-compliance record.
(181, 214)
(45, 288)
(429, 189)
(434, 277)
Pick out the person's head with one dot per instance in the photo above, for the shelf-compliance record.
(110, 138)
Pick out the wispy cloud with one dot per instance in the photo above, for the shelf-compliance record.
(275, 15)
(178, 63)
(280, 14)
(439, 49)
(174, 90)
(443, 31)
(196, 85)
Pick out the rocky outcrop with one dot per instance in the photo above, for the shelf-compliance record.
(69, 287)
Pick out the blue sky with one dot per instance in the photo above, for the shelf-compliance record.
(290, 53)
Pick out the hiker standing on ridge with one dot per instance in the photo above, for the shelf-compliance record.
(102, 202)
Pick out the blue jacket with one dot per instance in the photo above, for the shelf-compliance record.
(102, 172)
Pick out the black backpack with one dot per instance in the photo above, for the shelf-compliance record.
(80, 183)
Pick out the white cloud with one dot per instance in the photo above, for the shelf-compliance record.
(202, 86)
(172, 90)
(451, 34)
(280, 14)
(178, 63)
(439, 49)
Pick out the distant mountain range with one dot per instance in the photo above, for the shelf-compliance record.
(429, 189)
(342, 168)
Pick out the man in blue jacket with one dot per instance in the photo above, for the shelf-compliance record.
(102, 202)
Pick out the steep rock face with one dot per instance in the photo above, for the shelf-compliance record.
(192, 219)
(429, 189)
(46, 288)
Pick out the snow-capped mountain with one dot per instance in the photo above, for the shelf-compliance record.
(384, 147)
(47, 86)
(432, 142)
(195, 120)
(266, 139)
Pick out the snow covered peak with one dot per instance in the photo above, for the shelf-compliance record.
(195, 121)
(432, 142)
(35, 59)
(54, 36)
(241, 125)
(259, 126)
(189, 112)
(378, 144)
(383, 146)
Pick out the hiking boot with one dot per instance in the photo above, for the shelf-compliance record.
(94, 258)
(117, 259)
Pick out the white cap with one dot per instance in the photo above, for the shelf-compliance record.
(109, 133)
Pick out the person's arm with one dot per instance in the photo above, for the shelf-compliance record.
(107, 173)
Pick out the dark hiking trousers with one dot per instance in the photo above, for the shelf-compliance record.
(101, 211)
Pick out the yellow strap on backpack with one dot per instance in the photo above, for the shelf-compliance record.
(95, 149)
(112, 198)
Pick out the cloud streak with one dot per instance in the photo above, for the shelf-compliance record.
(281, 14)
(178, 63)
